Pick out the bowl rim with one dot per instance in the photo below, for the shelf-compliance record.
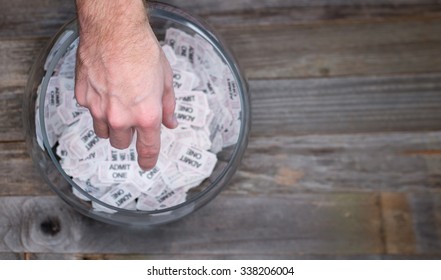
(178, 17)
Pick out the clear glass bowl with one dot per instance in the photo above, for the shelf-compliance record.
(162, 16)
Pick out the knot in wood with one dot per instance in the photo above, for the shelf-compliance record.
(51, 226)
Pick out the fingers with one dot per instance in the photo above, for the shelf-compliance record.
(101, 129)
(148, 146)
(120, 138)
(116, 116)
(168, 97)
(168, 109)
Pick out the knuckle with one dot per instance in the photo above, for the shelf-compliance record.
(80, 95)
(115, 122)
(81, 100)
(96, 113)
(152, 120)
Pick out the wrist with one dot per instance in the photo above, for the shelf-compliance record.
(104, 19)
(112, 28)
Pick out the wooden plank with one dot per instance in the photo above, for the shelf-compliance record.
(380, 48)
(426, 209)
(41, 17)
(346, 105)
(44, 17)
(330, 13)
(18, 174)
(340, 163)
(230, 226)
(388, 162)
(397, 224)
(16, 58)
(11, 256)
(330, 256)
(232, 6)
(410, 45)
(11, 122)
(313, 106)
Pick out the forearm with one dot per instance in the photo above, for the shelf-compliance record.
(118, 12)
(110, 22)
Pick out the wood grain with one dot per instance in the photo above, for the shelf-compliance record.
(426, 209)
(286, 51)
(330, 256)
(11, 122)
(397, 224)
(330, 13)
(11, 256)
(290, 226)
(18, 175)
(229, 227)
(343, 47)
(16, 58)
(314, 106)
(394, 162)
(388, 162)
(346, 105)
(44, 17)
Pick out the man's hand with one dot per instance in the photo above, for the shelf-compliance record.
(123, 77)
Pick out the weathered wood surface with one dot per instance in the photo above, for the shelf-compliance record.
(403, 103)
(365, 162)
(313, 106)
(337, 167)
(44, 17)
(51, 256)
(231, 225)
(287, 226)
(334, 46)
(391, 162)
(346, 105)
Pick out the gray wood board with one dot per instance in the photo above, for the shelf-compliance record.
(312, 106)
(330, 256)
(228, 226)
(355, 48)
(364, 162)
(11, 104)
(231, 226)
(16, 58)
(12, 256)
(44, 17)
(272, 50)
(397, 162)
(427, 212)
(18, 175)
(342, 105)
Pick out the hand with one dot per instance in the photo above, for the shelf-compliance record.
(123, 77)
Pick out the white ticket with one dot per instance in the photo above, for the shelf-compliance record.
(121, 195)
(196, 159)
(188, 114)
(184, 80)
(116, 172)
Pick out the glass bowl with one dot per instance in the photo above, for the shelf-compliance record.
(42, 148)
